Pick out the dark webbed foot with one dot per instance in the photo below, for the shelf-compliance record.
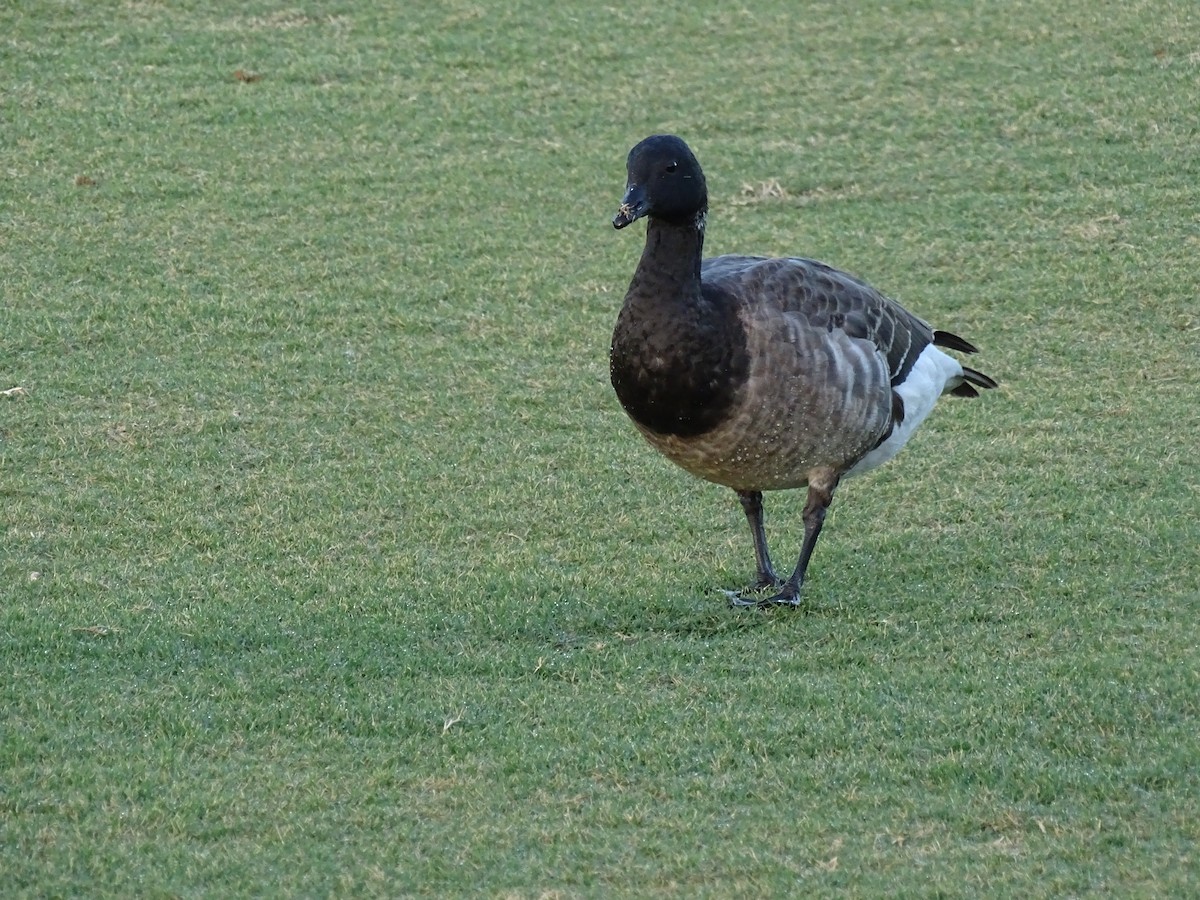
(789, 597)
(764, 581)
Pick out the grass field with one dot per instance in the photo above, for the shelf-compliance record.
(331, 566)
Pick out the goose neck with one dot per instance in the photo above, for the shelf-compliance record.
(673, 253)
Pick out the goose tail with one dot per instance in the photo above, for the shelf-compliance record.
(971, 379)
(953, 342)
(964, 386)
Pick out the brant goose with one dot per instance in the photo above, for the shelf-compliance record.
(764, 374)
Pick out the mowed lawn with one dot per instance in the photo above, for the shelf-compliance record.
(330, 565)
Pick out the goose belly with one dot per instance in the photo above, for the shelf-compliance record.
(825, 408)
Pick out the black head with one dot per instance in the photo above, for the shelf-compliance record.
(664, 182)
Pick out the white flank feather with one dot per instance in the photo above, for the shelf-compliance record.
(932, 375)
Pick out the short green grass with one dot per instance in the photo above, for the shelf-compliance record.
(331, 566)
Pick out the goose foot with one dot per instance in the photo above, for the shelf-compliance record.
(789, 597)
(764, 582)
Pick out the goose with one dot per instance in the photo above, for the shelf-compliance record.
(764, 374)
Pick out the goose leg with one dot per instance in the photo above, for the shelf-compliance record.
(820, 495)
(764, 575)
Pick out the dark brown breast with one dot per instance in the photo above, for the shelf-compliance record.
(678, 365)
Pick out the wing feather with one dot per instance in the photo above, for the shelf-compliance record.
(828, 298)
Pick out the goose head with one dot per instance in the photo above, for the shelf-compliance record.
(664, 182)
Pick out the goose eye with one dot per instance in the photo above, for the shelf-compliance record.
(672, 166)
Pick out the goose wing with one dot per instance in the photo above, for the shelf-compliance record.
(826, 299)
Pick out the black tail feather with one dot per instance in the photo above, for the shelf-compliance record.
(954, 342)
(978, 378)
(972, 377)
